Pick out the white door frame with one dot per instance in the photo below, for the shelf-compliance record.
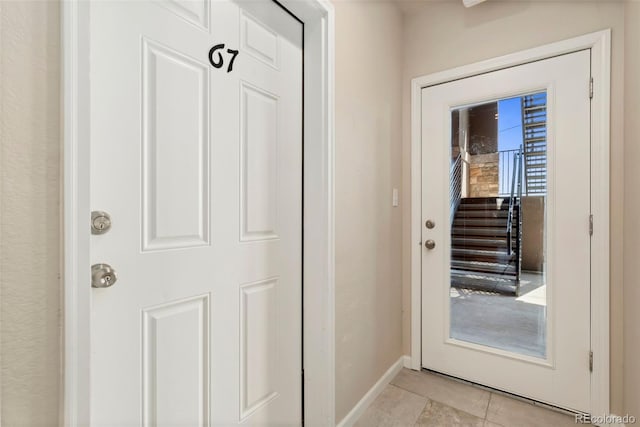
(600, 45)
(318, 211)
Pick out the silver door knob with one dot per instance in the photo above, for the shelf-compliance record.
(430, 224)
(430, 244)
(102, 276)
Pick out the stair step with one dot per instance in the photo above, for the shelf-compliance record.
(535, 107)
(502, 213)
(535, 139)
(482, 266)
(479, 232)
(489, 244)
(528, 154)
(483, 207)
(499, 257)
(481, 200)
(486, 243)
(536, 157)
(480, 222)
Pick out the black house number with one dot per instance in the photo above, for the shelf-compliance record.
(218, 61)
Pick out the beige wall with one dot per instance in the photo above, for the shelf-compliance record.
(29, 213)
(532, 208)
(368, 228)
(442, 35)
(632, 210)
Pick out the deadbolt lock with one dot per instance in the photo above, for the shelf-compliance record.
(102, 276)
(100, 222)
(430, 224)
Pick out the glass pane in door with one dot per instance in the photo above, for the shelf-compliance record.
(498, 188)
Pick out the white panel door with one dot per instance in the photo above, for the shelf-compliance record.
(535, 344)
(196, 153)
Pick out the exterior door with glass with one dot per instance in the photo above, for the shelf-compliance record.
(505, 229)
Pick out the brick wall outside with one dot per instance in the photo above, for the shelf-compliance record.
(483, 175)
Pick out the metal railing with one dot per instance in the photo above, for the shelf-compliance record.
(506, 165)
(455, 185)
(515, 196)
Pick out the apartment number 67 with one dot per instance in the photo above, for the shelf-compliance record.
(218, 62)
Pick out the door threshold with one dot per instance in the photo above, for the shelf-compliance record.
(504, 393)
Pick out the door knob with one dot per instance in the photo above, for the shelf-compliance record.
(430, 224)
(102, 276)
(430, 244)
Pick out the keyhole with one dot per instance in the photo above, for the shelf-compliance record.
(100, 222)
(107, 279)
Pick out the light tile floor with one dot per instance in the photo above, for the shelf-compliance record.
(428, 400)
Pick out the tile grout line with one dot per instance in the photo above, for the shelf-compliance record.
(505, 394)
(486, 410)
(442, 403)
(412, 392)
(415, 423)
(415, 394)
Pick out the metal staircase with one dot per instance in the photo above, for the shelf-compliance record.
(534, 136)
(485, 249)
(486, 237)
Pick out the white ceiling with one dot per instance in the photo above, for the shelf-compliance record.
(409, 6)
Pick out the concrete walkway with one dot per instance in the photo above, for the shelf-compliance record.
(516, 324)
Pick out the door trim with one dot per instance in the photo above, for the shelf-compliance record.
(600, 45)
(318, 212)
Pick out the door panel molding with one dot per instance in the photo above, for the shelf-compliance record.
(318, 212)
(600, 45)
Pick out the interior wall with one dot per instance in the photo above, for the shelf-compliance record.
(533, 233)
(632, 210)
(29, 212)
(368, 167)
(443, 35)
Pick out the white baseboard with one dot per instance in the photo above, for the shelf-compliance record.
(357, 411)
(406, 361)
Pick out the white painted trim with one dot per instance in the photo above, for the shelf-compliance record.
(318, 217)
(77, 296)
(319, 259)
(415, 241)
(600, 45)
(357, 411)
(600, 251)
